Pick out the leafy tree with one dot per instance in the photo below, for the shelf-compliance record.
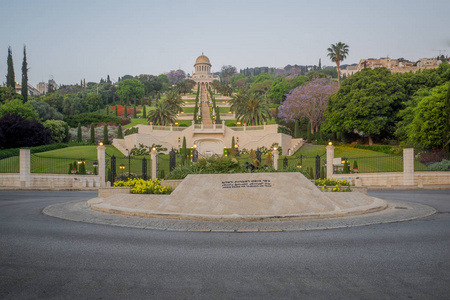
(163, 114)
(57, 130)
(105, 135)
(24, 90)
(261, 88)
(280, 87)
(144, 112)
(308, 101)
(79, 134)
(235, 78)
(17, 107)
(367, 102)
(10, 78)
(176, 76)
(94, 101)
(92, 139)
(337, 53)
(134, 112)
(227, 71)
(16, 132)
(130, 89)
(428, 128)
(45, 111)
(262, 77)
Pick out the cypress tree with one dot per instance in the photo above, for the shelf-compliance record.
(70, 168)
(144, 113)
(10, 78)
(447, 112)
(105, 135)
(24, 76)
(79, 135)
(134, 111)
(233, 143)
(296, 133)
(82, 168)
(183, 152)
(92, 140)
(117, 112)
(119, 132)
(125, 111)
(107, 110)
(66, 133)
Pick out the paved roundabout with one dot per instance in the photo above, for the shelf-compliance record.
(395, 212)
(48, 257)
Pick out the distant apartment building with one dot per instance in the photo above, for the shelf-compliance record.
(43, 87)
(395, 65)
(31, 90)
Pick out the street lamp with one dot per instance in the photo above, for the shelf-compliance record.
(95, 165)
(129, 162)
(122, 167)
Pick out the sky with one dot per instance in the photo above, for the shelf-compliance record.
(70, 40)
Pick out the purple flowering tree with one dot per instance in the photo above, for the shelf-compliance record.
(308, 101)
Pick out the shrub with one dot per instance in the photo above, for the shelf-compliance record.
(140, 186)
(284, 129)
(444, 165)
(87, 118)
(16, 132)
(57, 130)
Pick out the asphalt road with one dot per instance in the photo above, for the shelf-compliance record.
(45, 257)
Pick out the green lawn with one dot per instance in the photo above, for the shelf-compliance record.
(136, 122)
(368, 161)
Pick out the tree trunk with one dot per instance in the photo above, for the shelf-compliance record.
(370, 141)
(339, 73)
(312, 127)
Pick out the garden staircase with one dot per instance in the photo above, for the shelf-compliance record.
(295, 145)
(120, 145)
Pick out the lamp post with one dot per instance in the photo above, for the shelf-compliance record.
(122, 167)
(129, 162)
(95, 165)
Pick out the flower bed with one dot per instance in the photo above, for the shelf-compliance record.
(141, 186)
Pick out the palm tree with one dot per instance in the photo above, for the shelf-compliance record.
(337, 53)
(163, 114)
(249, 109)
(174, 101)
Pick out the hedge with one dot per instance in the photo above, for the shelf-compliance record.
(88, 118)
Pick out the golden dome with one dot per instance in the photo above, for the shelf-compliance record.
(202, 59)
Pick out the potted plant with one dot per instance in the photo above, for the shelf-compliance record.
(355, 167)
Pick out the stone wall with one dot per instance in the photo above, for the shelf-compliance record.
(50, 181)
(250, 137)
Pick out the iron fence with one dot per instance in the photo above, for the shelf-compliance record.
(54, 165)
(9, 164)
(371, 164)
(129, 167)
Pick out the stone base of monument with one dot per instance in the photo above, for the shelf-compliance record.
(242, 197)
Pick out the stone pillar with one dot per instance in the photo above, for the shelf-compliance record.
(25, 167)
(276, 155)
(330, 156)
(408, 166)
(151, 125)
(101, 164)
(154, 158)
(171, 127)
(245, 126)
(223, 124)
